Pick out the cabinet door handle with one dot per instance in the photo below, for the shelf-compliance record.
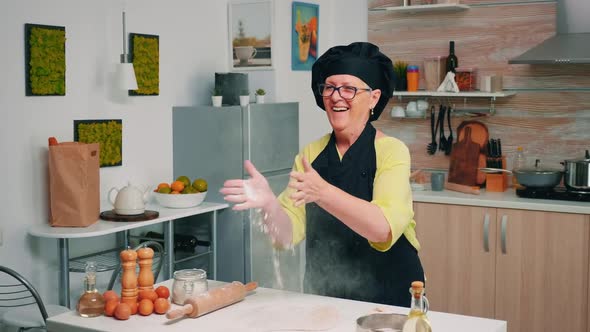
(486, 233)
(503, 234)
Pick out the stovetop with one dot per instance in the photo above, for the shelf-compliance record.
(558, 193)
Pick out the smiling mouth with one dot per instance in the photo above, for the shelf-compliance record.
(340, 109)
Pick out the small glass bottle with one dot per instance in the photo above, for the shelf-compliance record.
(417, 320)
(518, 163)
(91, 303)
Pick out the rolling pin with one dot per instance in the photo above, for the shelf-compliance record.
(212, 300)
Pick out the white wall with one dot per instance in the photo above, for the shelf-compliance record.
(193, 46)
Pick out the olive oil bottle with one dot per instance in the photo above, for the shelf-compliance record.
(417, 320)
(91, 303)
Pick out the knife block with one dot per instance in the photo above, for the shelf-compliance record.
(497, 182)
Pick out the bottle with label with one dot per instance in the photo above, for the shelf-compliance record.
(417, 320)
(91, 303)
(518, 162)
(452, 61)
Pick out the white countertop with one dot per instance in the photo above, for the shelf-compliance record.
(507, 200)
(103, 227)
(268, 310)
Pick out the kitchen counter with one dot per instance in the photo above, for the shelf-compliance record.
(507, 200)
(268, 309)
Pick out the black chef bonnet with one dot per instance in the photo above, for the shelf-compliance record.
(360, 59)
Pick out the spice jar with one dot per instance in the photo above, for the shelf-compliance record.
(413, 77)
(465, 78)
(187, 283)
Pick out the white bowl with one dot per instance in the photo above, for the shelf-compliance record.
(180, 201)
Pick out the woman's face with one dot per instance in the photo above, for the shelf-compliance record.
(349, 113)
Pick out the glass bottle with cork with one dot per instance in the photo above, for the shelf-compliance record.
(452, 61)
(417, 320)
(91, 303)
(518, 162)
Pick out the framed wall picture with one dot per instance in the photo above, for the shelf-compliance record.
(108, 133)
(45, 60)
(250, 34)
(304, 35)
(144, 51)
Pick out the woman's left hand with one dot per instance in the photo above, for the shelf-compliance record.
(309, 185)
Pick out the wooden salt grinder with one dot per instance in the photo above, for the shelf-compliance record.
(146, 276)
(129, 276)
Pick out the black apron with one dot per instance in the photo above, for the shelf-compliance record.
(341, 263)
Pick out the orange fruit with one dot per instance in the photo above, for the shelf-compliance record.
(177, 186)
(175, 192)
(146, 307)
(163, 292)
(123, 311)
(163, 185)
(109, 295)
(148, 294)
(110, 306)
(161, 306)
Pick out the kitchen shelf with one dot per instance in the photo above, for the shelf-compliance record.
(474, 94)
(442, 7)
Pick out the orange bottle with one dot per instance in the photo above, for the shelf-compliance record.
(413, 76)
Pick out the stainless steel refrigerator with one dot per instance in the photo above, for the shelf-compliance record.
(212, 143)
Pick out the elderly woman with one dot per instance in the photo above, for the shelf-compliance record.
(349, 195)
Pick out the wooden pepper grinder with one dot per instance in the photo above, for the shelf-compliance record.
(129, 278)
(146, 276)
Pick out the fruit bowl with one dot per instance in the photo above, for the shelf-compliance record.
(180, 201)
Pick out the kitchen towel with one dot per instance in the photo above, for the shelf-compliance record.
(74, 184)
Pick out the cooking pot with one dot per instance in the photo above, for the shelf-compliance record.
(538, 177)
(577, 174)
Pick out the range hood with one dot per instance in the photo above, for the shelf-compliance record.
(571, 44)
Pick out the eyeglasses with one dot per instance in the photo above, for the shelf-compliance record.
(345, 91)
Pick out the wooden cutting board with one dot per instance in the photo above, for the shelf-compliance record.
(464, 161)
(110, 215)
(481, 136)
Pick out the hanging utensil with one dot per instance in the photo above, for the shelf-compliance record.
(449, 146)
(441, 121)
(431, 149)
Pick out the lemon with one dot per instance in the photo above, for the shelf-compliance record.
(164, 190)
(184, 179)
(189, 190)
(200, 185)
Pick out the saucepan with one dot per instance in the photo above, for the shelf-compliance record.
(537, 177)
(577, 173)
(381, 321)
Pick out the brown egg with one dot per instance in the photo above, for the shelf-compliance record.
(123, 311)
(146, 307)
(110, 306)
(161, 306)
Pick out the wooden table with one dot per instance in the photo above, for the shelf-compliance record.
(103, 227)
(268, 309)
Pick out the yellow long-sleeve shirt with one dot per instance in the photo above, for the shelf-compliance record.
(391, 190)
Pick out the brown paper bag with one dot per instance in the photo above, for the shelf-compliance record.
(74, 184)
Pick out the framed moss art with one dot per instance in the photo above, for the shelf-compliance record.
(45, 60)
(144, 51)
(109, 135)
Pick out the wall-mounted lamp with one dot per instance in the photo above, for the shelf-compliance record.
(126, 71)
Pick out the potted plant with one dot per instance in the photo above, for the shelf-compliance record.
(260, 96)
(244, 97)
(401, 82)
(217, 96)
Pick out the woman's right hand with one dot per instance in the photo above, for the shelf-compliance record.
(247, 194)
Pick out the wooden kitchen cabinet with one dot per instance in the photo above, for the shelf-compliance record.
(537, 279)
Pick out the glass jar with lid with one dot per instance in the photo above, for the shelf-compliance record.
(187, 283)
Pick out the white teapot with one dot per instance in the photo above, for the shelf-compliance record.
(129, 200)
